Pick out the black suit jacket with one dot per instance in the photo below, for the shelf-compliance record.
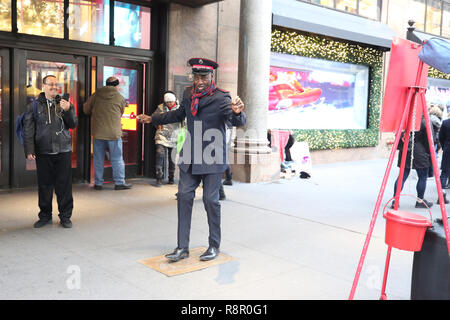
(205, 146)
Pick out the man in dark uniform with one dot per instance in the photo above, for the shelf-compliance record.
(204, 154)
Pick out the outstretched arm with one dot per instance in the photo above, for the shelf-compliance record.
(156, 118)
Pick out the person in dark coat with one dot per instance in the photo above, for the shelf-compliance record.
(203, 157)
(47, 140)
(421, 163)
(444, 139)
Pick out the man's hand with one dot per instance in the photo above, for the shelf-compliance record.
(237, 105)
(31, 157)
(143, 118)
(64, 104)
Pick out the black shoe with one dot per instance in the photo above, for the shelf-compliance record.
(122, 186)
(393, 205)
(210, 254)
(304, 175)
(171, 181)
(66, 223)
(178, 254)
(424, 204)
(228, 182)
(42, 222)
(97, 187)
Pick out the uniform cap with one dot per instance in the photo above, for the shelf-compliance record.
(202, 65)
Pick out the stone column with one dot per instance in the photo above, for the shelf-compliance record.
(251, 158)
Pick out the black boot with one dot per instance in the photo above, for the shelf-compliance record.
(445, 199)
(424, 204)
(228, 182)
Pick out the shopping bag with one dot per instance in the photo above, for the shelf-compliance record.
(302, 158)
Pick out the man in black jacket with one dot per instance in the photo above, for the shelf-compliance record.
(204, 155)
(47, 140)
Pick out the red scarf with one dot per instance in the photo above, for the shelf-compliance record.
(197, 96)
(172, 106)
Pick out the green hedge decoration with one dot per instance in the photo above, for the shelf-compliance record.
(313, 46)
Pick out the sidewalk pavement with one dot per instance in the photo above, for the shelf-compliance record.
(293, 239)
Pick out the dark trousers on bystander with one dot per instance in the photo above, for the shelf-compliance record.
(54, 172)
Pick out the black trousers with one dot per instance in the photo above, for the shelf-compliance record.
(287, 149)
(186, 194)
(54, 172)
(160, 156)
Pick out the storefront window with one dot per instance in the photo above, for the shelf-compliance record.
(347, 5)
(89, 21)
(438, 92)
(128, 88)
(5, 15)
(446, 20)
(416, 12)
(366, 8)
(131, 25)
(328, 3)
(41, 17)
(369, 9)
(67, 77)
(433, 20)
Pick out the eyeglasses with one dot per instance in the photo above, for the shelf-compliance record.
(51, 84)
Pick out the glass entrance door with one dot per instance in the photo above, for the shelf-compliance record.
(69, 72)
(129, 74)
(4, 118)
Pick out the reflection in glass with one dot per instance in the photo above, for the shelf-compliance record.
(369, 9)
(446, 21)
(67, 77)
(310, 93)
(327, 3)
(89, 21)
(132, 25)
(347, 5)
(128, 88)
(433, 17)
(41, 17)
(5, 15)
(416, 12)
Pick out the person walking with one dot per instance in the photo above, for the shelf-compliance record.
(47, 140)
(436, 121)
(444, 139)
(421, 163)
(203, 157)
(106, 107)
(166, 138)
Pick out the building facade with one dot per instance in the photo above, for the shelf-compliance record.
(147, 45)
(298, 29)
